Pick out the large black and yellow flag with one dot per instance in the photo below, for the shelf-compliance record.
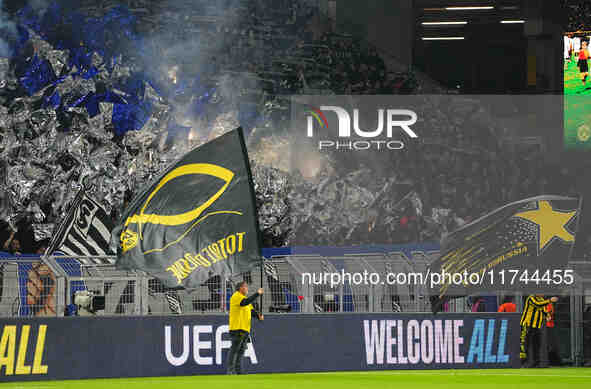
(522, 246)
(195, 220)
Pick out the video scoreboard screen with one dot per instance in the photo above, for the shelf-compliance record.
(577, 86)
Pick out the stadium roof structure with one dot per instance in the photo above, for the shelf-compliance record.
(450, 18)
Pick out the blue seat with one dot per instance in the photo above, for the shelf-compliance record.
(292, 300)
(348, 305)
(228, 296)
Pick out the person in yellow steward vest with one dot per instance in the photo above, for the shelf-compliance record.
(533, 348)
(241, 312)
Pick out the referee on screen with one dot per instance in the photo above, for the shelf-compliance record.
(532, 339)
(241, 311)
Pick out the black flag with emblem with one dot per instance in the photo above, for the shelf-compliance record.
(523, 246)
(196, 218)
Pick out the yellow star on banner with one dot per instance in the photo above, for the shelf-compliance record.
(550, 223)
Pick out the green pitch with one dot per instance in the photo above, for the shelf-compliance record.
(560, 378)
(577, 110)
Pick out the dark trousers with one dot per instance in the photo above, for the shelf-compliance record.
(239, 340)
(553, 346)
(534, 349)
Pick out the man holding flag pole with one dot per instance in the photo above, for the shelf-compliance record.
(198, 219)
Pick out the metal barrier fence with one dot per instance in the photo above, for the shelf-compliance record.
(31, 286)
(36, 286)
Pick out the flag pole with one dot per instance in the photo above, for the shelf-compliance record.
(262, 265)
(254, 207)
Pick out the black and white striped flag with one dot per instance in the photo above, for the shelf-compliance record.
(174, 302)
(85, 231)
(156, 288)
(271, 270)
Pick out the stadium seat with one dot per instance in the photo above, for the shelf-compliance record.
(348, 305)
(292, 300)
(229, 293)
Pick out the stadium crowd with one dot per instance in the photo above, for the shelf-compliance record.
(278, 50)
